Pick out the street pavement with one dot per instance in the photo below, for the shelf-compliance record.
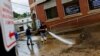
(34, 50)
(28, 50)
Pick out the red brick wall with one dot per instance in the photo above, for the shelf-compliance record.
(84, 6)
(77, 22)
(80, 21)
(61, 15)
(60, 9)
(41, 13)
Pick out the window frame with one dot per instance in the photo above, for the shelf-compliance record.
(21, 28)
(93, 11)
(53, 18)
(74, 14)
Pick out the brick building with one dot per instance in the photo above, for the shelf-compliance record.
(67, 15)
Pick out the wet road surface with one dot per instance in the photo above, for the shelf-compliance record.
(28, 50)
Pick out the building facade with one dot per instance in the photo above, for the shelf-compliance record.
(21, 24)
(67, 15)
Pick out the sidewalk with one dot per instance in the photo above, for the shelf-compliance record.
(25, 50)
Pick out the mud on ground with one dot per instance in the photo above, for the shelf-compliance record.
(54, 47)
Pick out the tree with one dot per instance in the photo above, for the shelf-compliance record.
(24, 15)
(16, 15)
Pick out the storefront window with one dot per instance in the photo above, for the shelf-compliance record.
(50, 8)
(94, 4)
(71, 7)
(51, 13)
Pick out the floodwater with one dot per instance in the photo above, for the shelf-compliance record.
(27, 50)
(57, 47)
(38, 49)
(46, 48)
(23, 49)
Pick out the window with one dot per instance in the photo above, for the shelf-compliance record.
(94, 4)
(51, 13)
(22, 20)
(71, 7)
(21, 28)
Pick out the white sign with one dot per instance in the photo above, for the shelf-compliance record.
(7, 24)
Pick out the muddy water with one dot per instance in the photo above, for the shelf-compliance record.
(52, 47)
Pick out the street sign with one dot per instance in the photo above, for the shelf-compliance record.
(7, 24)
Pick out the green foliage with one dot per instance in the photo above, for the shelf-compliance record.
(17, 15)
(24, 15)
